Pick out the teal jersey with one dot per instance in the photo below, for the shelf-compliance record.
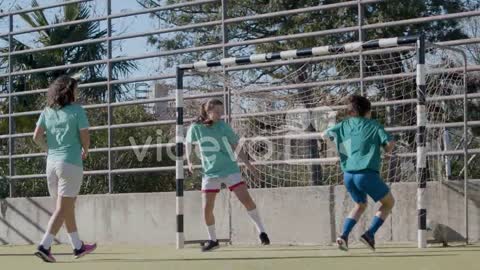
(359, 141)
(215, 142)
(62, 128)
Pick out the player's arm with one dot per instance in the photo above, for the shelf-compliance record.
(389, 147)
(39, 138)
(38, 134)
(242, 156)
(190, 139)
(386, 140)
(234, 140)
(83, 125)
(330, 133)
(85, 141)
(188, 152)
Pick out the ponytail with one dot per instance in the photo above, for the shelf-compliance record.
(203, 117)
(204, 108)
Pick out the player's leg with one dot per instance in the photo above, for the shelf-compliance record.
(374, 186)
(210, 188)
(71, 177)
(56, 220)
(387, 203)
(208, 202)
(239, 188)
(71, 223)
(360, 199)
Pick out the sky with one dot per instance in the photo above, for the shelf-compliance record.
(130, 47)
(127, 25)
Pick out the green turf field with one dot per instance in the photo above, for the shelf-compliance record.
(249, 258)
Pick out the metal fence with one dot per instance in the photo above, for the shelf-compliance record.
(224, 23)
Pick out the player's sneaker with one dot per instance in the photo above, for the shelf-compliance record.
(342, 243)
(84, 250)
(44, 254)
(210, 245)
(368, 241)
(264, 239)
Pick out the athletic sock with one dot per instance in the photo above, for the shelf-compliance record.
(211, 233)
(75, 240)
(348, 226)
(47, 240)
(377, 222)
(256, 220)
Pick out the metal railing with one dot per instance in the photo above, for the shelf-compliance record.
(225, 22)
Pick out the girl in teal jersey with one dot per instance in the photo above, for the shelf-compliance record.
(217, 140)
(65, 125)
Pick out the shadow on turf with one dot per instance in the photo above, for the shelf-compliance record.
(55, 254)
(432, 251)
(272, 249)
(369, 255)
(379, 251)
(436, 248)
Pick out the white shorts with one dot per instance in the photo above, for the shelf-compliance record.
(232, 181)
(64, 179)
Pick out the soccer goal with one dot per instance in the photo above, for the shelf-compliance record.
(281, 102)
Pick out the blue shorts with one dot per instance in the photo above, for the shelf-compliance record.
(366, 182)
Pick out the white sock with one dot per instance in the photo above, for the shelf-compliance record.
(211, 233)
(47, 240)
(75, 240)
(256, 219)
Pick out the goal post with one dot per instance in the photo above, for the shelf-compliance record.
(288, 120)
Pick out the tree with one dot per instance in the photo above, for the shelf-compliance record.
(305, 22)
(123, 183)
(139, 182)
(55, 57)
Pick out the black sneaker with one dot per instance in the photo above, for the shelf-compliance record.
(264, 239)
(210, 245)
(84, 250)
(342, 243)
(44, 254)
(368, 241)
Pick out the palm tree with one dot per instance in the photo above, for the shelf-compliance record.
(69, 55)
(49, 58)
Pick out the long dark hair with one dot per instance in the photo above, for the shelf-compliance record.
(61, 92)
(203, 117)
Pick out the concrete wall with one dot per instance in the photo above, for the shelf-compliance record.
(303, 215)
